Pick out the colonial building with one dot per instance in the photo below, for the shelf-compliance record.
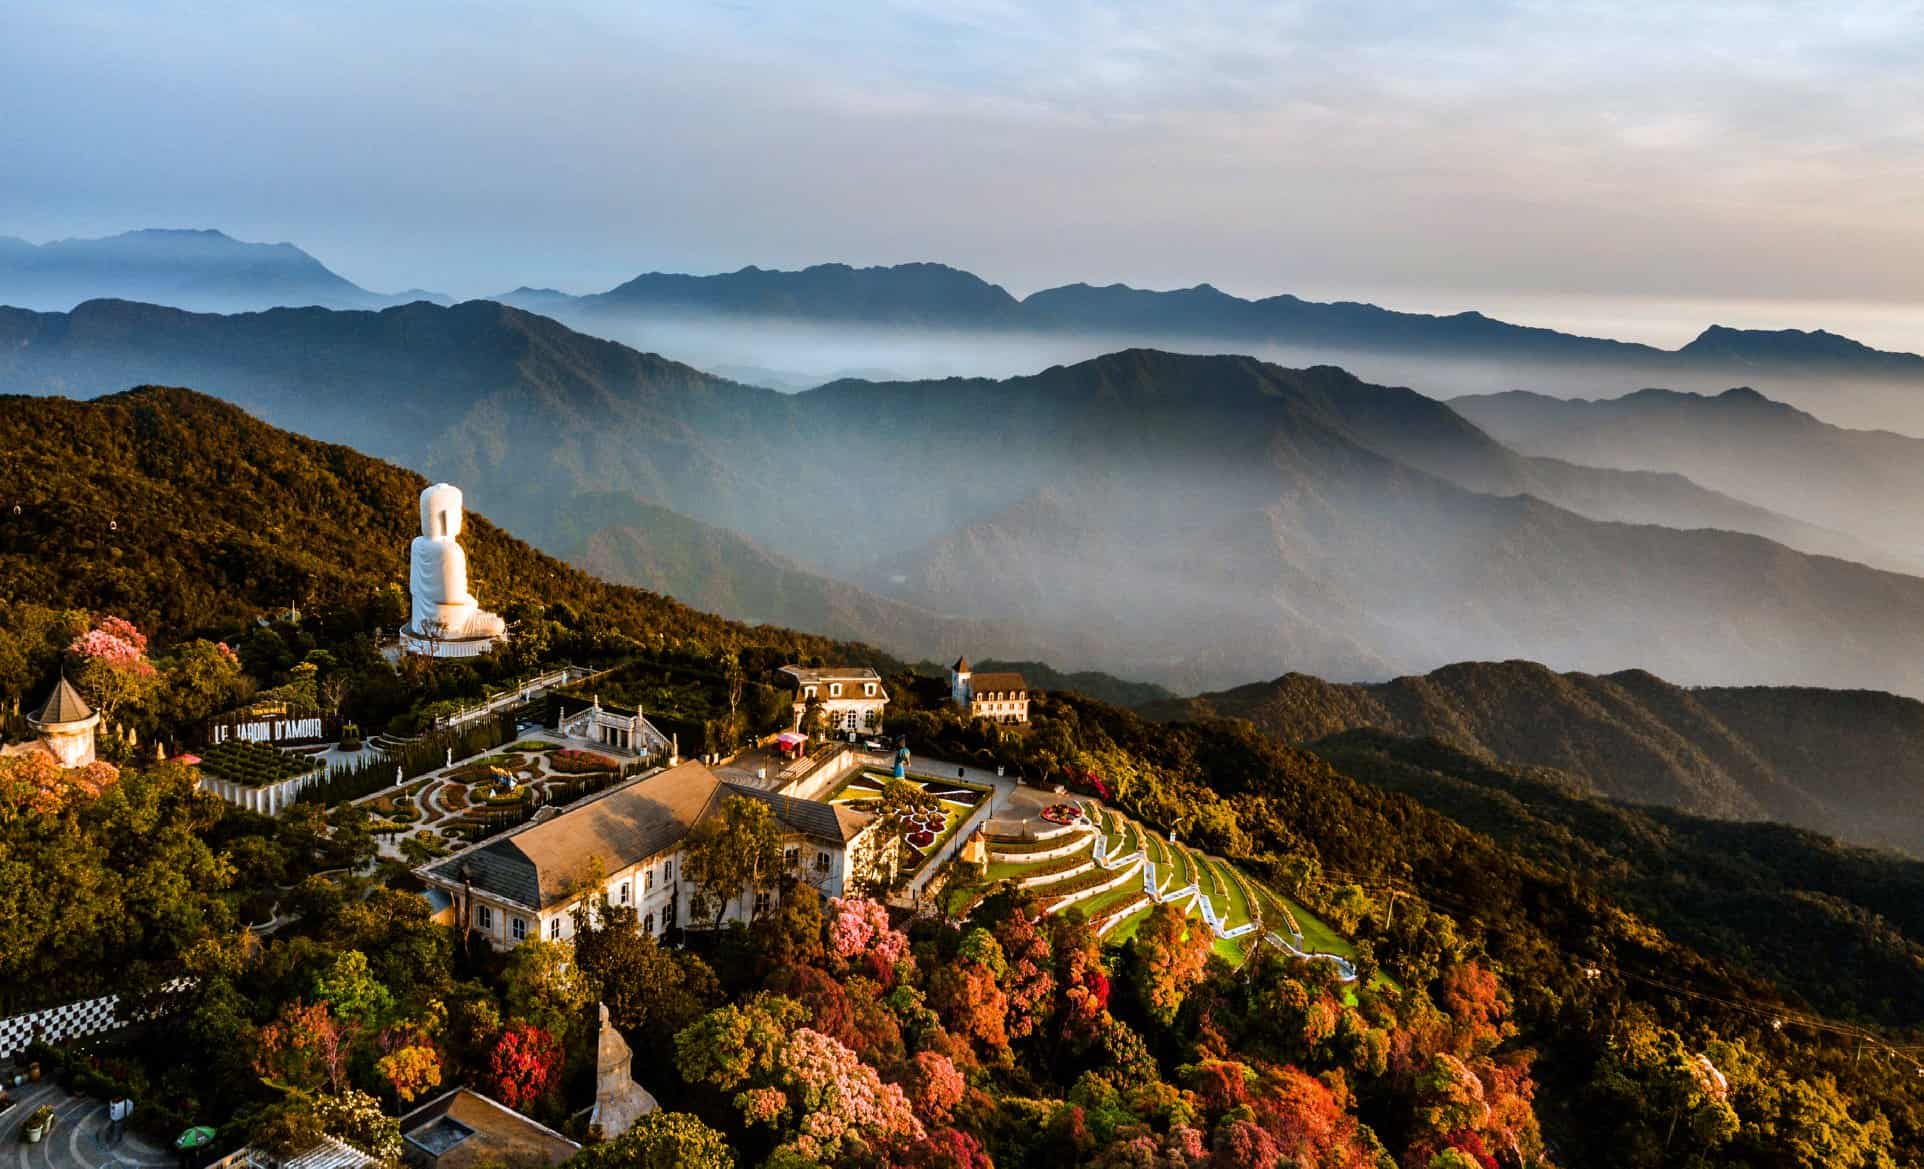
(998, 697)
(527, 883)
(65, 725)
(617, 728)
(852, 697)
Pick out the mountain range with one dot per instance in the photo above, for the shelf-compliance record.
(1862, 482)
(1842, 762)
(1191, 521)
(203, 270)
(939, 296)
(803, 327)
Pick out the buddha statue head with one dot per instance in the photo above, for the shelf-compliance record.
(441, 512)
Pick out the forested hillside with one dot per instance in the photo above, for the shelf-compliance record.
(1547, 994)
(183, 513)
(1844, 762)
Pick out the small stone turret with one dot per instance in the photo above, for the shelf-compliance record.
(619, 1101)
(66, 724)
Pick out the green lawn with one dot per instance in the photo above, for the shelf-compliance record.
(1182, 874)
(1232, 907)
(1097, 908)
(1230, 950)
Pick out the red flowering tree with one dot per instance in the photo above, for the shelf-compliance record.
(524, 1065)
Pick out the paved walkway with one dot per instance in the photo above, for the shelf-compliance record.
(78, 1137)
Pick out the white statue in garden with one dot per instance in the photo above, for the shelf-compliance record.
(445, 620)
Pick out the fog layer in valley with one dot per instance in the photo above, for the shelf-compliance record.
(1193, 521)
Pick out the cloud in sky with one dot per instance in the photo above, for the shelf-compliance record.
(1505, 151)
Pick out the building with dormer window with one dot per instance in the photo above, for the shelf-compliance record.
(1001, 697)
(852, 697)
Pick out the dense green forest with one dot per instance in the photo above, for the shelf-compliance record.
(1549, 978)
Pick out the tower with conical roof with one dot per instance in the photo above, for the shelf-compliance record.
(959, 675)
(66, 725)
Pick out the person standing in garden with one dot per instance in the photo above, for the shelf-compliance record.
(118, 1110)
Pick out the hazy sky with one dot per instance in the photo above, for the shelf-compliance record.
(1654, 165)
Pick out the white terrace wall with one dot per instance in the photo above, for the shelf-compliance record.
(269, 799)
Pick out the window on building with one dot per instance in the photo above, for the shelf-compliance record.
(484, 916)
(518, 926)
(648, 880)
(791, 857)
(667, 871)
(821, 862)
(626, 893)
(764, 901)
(834, 689)
(668, 915)
(809, 693)
(648, 923)
(868, 689)
(871, 719)
(554, 929)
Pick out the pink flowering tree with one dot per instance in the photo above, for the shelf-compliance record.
(812, 1090)
(859, 934)
(111, 666)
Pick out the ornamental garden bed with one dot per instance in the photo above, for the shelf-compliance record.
(926, 832)
(255, 764)
(574, 761)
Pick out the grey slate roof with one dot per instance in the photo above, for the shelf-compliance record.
(544, 863)
(810, 675)
(809, 817)
(64, 705)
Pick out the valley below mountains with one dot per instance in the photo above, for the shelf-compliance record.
(1186, 520)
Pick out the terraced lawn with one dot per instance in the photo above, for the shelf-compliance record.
(1009, 870)
(1231, 906)
(1234, 898)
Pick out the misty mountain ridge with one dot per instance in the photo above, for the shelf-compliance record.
(1842, 762)
(204, 270)
(1863, 482)
(795, 328)
(1191, 521)
(938, 295)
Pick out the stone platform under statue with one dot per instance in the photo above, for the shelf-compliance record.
(445, 621)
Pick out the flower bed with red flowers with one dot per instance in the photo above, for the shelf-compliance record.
(574, 761)
(1063, 814)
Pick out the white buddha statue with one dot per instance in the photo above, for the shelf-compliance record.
(446, 621)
